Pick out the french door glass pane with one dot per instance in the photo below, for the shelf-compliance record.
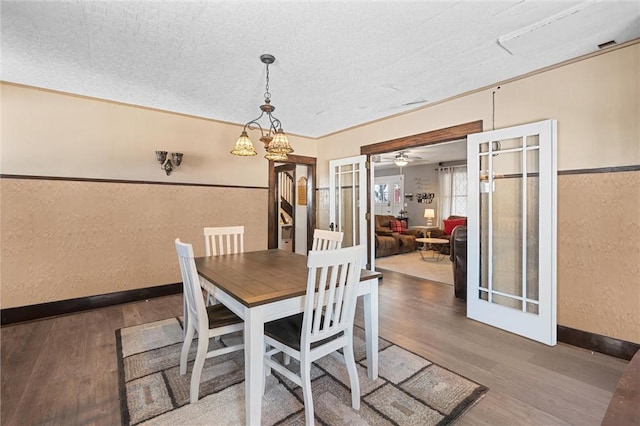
(509, 223)
(533, 231)
(346, 212)
(484, 223)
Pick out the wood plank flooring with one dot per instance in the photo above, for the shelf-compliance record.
(62, 371)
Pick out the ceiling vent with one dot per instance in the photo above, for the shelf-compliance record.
(550, 32)
(607, 44)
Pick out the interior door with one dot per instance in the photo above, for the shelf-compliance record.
(348, 201)
(511, 267)
(388, 195)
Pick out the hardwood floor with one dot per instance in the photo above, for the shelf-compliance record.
(63, 370)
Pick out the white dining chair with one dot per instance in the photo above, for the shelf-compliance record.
(207, 321)
(309, 336)
(326, 240)
(222, 240)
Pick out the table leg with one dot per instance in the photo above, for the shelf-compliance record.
(371, 329)
(253, 363)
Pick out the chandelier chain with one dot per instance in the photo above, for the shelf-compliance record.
(267, 95)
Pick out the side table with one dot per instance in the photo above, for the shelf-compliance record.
(427, 244)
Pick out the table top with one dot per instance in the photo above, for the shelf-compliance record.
(260, 277)
(432, 240)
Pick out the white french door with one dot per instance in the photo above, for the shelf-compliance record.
(511, 257)
(388, 194)
(348, 200)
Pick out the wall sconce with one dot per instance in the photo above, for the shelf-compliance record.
(165, 163)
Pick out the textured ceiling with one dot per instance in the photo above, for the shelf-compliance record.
(338, 64)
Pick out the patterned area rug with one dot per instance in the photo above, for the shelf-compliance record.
(411, 390)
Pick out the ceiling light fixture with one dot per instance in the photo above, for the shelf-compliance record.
(401, 160)
(274, 139)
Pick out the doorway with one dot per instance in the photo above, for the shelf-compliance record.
(297, 237)
(418, 194)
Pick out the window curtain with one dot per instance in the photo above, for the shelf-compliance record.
(445, 186)
(452, 183)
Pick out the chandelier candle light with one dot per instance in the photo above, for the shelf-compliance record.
(274, 139)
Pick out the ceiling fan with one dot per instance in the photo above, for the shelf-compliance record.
(401, 159)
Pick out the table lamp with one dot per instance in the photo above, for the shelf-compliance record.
(429, 214)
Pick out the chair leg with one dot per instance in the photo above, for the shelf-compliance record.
(305, 376)
(350, 361)
(267, 370)
(201, 355)
(188, 338)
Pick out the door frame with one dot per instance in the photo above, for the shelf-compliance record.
(432, 137)
(272, 201)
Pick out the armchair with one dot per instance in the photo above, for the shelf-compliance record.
(449, 225)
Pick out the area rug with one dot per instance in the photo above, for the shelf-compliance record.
(411, 390)
(412, 264)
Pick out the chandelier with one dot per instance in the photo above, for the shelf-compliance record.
(274, 139)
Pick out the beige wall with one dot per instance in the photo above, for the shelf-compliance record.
(46, 133)
(66, 239)
(596, 103)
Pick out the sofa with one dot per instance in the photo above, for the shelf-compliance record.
(393, 237)
(449, 225)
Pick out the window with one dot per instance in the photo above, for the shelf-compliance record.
(453, 192)
(459, 191)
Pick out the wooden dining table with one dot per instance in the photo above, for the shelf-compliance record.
(266, 285)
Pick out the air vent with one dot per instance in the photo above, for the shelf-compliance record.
(421, 101)
(557, 28)
(607, 44)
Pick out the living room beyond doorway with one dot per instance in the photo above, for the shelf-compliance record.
(412, 264)
(415, 191)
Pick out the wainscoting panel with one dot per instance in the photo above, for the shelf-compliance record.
(64, 239)
(599, 253)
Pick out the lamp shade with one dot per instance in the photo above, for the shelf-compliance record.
(429, 213)
(244, 146)
(280, 144)
(401, 163)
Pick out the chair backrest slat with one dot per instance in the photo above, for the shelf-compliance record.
(326, 240)
(223, 240)
(191, 284)
(331, 292)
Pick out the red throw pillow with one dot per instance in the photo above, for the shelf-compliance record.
(399, 226)
(452, 223)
